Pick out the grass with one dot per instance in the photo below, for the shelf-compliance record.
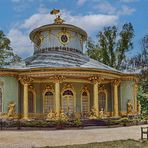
(111, 144)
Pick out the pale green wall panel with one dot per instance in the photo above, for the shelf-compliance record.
(126, 93)
(10, 92)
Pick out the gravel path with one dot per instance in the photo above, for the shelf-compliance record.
(28, 139)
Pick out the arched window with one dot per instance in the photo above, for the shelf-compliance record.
(85, 102)
(68, 101)
(48, 101)
(102, 100)
(30, 102)
(0, 99)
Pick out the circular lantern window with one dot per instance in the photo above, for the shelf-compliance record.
(64, 39)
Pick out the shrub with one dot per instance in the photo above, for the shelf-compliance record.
(124, 121)
(77, 123)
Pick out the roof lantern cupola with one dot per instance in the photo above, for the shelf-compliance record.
(58, 36)
(57, 43)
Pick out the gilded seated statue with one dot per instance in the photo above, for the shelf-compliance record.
(63, 116)
(93, 113)
(101, 113)
(51, 115)
(11, 110)
(129, 108)
(138, 107)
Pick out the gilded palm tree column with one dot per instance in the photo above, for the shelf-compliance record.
(96, 81)
(57, 80)
(57, 97)
(25, 81)
(115, 85)
(26, 101)
(95, 101)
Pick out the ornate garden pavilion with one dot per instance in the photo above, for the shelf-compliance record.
(58, 76)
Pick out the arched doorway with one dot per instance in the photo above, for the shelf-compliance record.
(68, 101)
(102, 102)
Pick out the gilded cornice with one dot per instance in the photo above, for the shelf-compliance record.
(25, 80)
(56, 78)
(57, 27)
(116, 82)
(95, 79)
(130, 78)
(77, 72)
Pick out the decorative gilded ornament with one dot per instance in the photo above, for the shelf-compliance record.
(11, 110)
(93, 113)
(54, 11)
(64, 37)
(39, 39)
(51, 115)
(58, 20)
(129, 107)
(63, 116)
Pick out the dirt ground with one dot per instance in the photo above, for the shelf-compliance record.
(28, 139)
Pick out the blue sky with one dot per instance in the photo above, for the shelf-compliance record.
(19, 17)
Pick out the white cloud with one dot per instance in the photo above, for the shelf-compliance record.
(37, 20)
(107, 8)
(15, 1)
(81, 2)
(91, 23)
(128, 1)
(20, 42)
(43, 9)
(19, 1)
(126, 10)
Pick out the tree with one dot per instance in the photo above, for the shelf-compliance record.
(140, 62)
(6, 52)
(143, 98)
(112, 45)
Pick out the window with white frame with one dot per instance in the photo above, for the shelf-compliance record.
(48, 102)
(85, 101)
(102, 100)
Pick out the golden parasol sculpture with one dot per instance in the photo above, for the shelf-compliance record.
(58, 19)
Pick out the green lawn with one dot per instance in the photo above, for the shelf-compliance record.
(112, 144)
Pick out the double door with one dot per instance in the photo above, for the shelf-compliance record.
(68, 104)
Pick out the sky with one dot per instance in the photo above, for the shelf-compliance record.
(19, 17)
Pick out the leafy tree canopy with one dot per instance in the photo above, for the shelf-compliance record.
(112, 45)
(6, 52)
(140, 62)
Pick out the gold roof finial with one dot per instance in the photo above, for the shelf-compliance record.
(58, 19)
